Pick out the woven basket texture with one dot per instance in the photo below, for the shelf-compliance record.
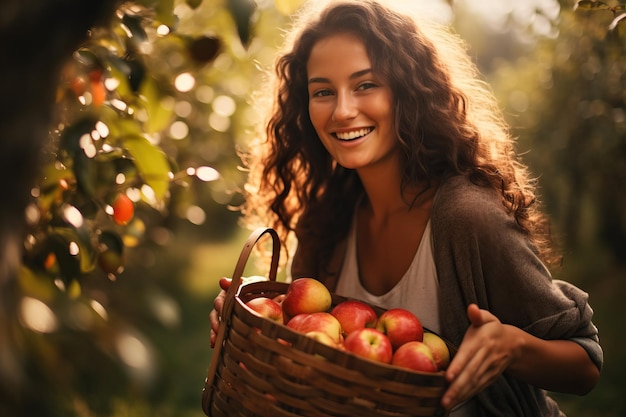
(265, 369)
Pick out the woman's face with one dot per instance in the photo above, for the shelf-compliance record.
(350, 107)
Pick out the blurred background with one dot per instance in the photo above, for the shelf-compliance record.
(120, 128)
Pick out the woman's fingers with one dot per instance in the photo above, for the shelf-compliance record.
(225, 283)
(215, 325)
(218, 303)
(482, 357)
(215, 314)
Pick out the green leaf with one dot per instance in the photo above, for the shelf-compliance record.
(133, 23)
(34, 284)
(242, 11)
(86, 252)
(120, 70)
(159, 116)
(51, 175)
(86, 172)
(70, 138)
(112, 241)
(151, 163)
(110, 164)
(71, 266)
(119, 126)
(204, 49)
(137, 72)
(194, 4)
(165, 12)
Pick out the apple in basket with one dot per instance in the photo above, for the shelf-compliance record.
(266, 307)
(323, 338)
(317, 322)
(416, 356)
(354, 315)
(306, 295)
(438, 347)
(400, 326)
(369, 343)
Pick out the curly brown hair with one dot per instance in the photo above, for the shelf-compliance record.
(447, 120)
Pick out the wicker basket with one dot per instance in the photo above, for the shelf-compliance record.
(262, 368)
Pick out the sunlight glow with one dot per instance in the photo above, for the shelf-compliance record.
(133, 351)
(224, 106)
(183, 108)
(86, 144)
(37, 316)
(196, 215)
(179, 130)
(148, 193)
(184, 82)
(205, 93)
(111, 83)
(74, 248)
(99, 309)
(219, 122)
(207, 174)
(32, 214)
(162, 30)
(73, 216)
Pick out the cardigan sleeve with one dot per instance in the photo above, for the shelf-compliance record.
(483, 257)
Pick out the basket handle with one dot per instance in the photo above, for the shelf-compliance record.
(229, 301)
(241, 265)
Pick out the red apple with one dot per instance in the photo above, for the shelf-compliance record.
(266, 307)
(400, 326)
(438, 347)
(306, 295)
(320, 322)
(279, 298)
(322, 338)
(294, 322)
(416, 356)
(369, 343)
(354, 315)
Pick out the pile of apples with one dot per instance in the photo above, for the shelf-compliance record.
(395, 337)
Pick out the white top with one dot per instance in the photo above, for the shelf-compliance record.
(417, 291)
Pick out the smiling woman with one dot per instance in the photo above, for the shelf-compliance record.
(388, 160)
(349, 106)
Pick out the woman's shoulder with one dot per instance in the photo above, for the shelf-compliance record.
(459, 200)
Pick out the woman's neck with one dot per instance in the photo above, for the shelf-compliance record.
(386, 195)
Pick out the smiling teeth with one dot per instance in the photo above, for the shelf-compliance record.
(353, 134)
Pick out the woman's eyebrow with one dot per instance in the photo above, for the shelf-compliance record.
(353, 76)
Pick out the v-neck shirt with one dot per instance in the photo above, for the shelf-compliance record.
(417, 290)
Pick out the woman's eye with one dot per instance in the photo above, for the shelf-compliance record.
(322, 93)
(366, 86)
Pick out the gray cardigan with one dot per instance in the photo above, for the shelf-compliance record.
(482, 257)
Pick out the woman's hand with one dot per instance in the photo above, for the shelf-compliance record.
(485, 353)
(489, 348)
(218, 305)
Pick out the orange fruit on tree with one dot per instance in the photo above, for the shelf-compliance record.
(123, 209)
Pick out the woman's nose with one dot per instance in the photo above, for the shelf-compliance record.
(345, 108)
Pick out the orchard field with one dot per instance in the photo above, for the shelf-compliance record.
(104, 302)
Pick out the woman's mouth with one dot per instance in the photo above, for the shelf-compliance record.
(353, 134)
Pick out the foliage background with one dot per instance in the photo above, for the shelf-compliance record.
(88, 340)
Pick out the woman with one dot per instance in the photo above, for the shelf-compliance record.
(389, 161)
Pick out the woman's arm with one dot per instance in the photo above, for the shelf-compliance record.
(491, 348)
